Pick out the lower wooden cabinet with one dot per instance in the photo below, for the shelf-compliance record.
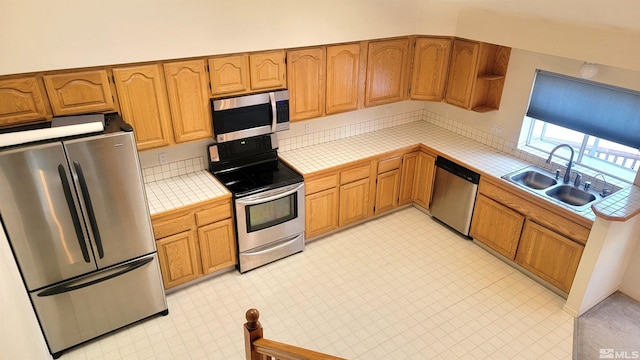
(216, 249)
(354, 194)
(496, 226)
(425, 169)
(321, 212)
(543, 242)
(194, 241)
(388, 184)
(549, 255)
(178, 257)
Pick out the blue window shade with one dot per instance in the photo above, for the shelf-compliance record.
(592, 108)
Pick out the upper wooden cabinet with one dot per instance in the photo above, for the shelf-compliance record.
(386, 71)
(79, 92)
(229, 75)
(430, 66)
(188, 100)
(246, 73)
(306, 78)
(22, 100)
(345, 77)
(476, 75)
(144, 104)
(268, 70)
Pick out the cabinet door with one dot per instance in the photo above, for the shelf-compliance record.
(424, 179)
(408, 178)
(306, 77)
(81, 92)
(229, 75)
(321, 212)
(178, 257)
(549, 255)
(386, 71)
(354, 198)
(144, 104)
(217, 246)
(462, 72)
(21, 101)
(268, 70)
(430, 65)
(188, 100)
(344, 78)
(496, 226)
(387, 187)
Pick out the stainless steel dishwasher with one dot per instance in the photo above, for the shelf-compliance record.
(454, 194)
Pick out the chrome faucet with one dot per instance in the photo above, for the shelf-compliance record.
(605, 191)
(567, 175)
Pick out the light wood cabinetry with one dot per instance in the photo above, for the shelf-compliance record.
(268, 70)
(496, 226)
(549, 255)
(22, 100)
(409, 178)
(144, 104)
(229, 75)
(354, 194)
(386, 71)
(476, 75)
(195, 241)
(321, 204)
(188, 100)
(345, 77)
(425, 169)
(178, 256)
(430, 67)
(522, 227)
(79, 92)
(306, 71)
(388, 184)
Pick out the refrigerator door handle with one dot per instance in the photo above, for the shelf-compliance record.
(90, 213)
(74, 213)
(92, 279)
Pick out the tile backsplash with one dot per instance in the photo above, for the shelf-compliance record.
(340, 132)
(176, 168)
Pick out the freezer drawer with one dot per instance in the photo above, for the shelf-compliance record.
(84, 308)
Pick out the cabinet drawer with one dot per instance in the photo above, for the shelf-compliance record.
(216, 213)
(389, 164)
(361, 172)
(172, 225)
(320, 184)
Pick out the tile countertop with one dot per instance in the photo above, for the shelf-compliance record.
(182, 190)
(479, 157)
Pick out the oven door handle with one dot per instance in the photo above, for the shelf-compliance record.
(271, 194)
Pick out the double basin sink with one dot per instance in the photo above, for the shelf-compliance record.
(544, 184)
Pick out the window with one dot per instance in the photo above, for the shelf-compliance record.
(601, 123)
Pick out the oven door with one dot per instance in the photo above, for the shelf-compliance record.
(270, 216)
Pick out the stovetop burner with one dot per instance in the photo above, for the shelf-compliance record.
(251, 165)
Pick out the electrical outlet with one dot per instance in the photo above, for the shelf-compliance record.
(162, 158)
(307, 129)
(496, 130)
(446, 112)
(387, 111)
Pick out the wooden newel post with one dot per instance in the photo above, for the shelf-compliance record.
(252, 331)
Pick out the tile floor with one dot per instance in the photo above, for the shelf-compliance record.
(398, 287)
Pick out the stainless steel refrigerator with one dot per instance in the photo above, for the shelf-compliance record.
(77, 220)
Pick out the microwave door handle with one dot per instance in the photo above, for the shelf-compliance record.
(270, 195)
(274, 111)
(74, 214)
(89, 206)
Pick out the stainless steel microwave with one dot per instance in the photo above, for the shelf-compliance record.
(250, 115)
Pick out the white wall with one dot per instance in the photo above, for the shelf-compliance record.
(20, 335)
(600, 45)
(42, 34)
